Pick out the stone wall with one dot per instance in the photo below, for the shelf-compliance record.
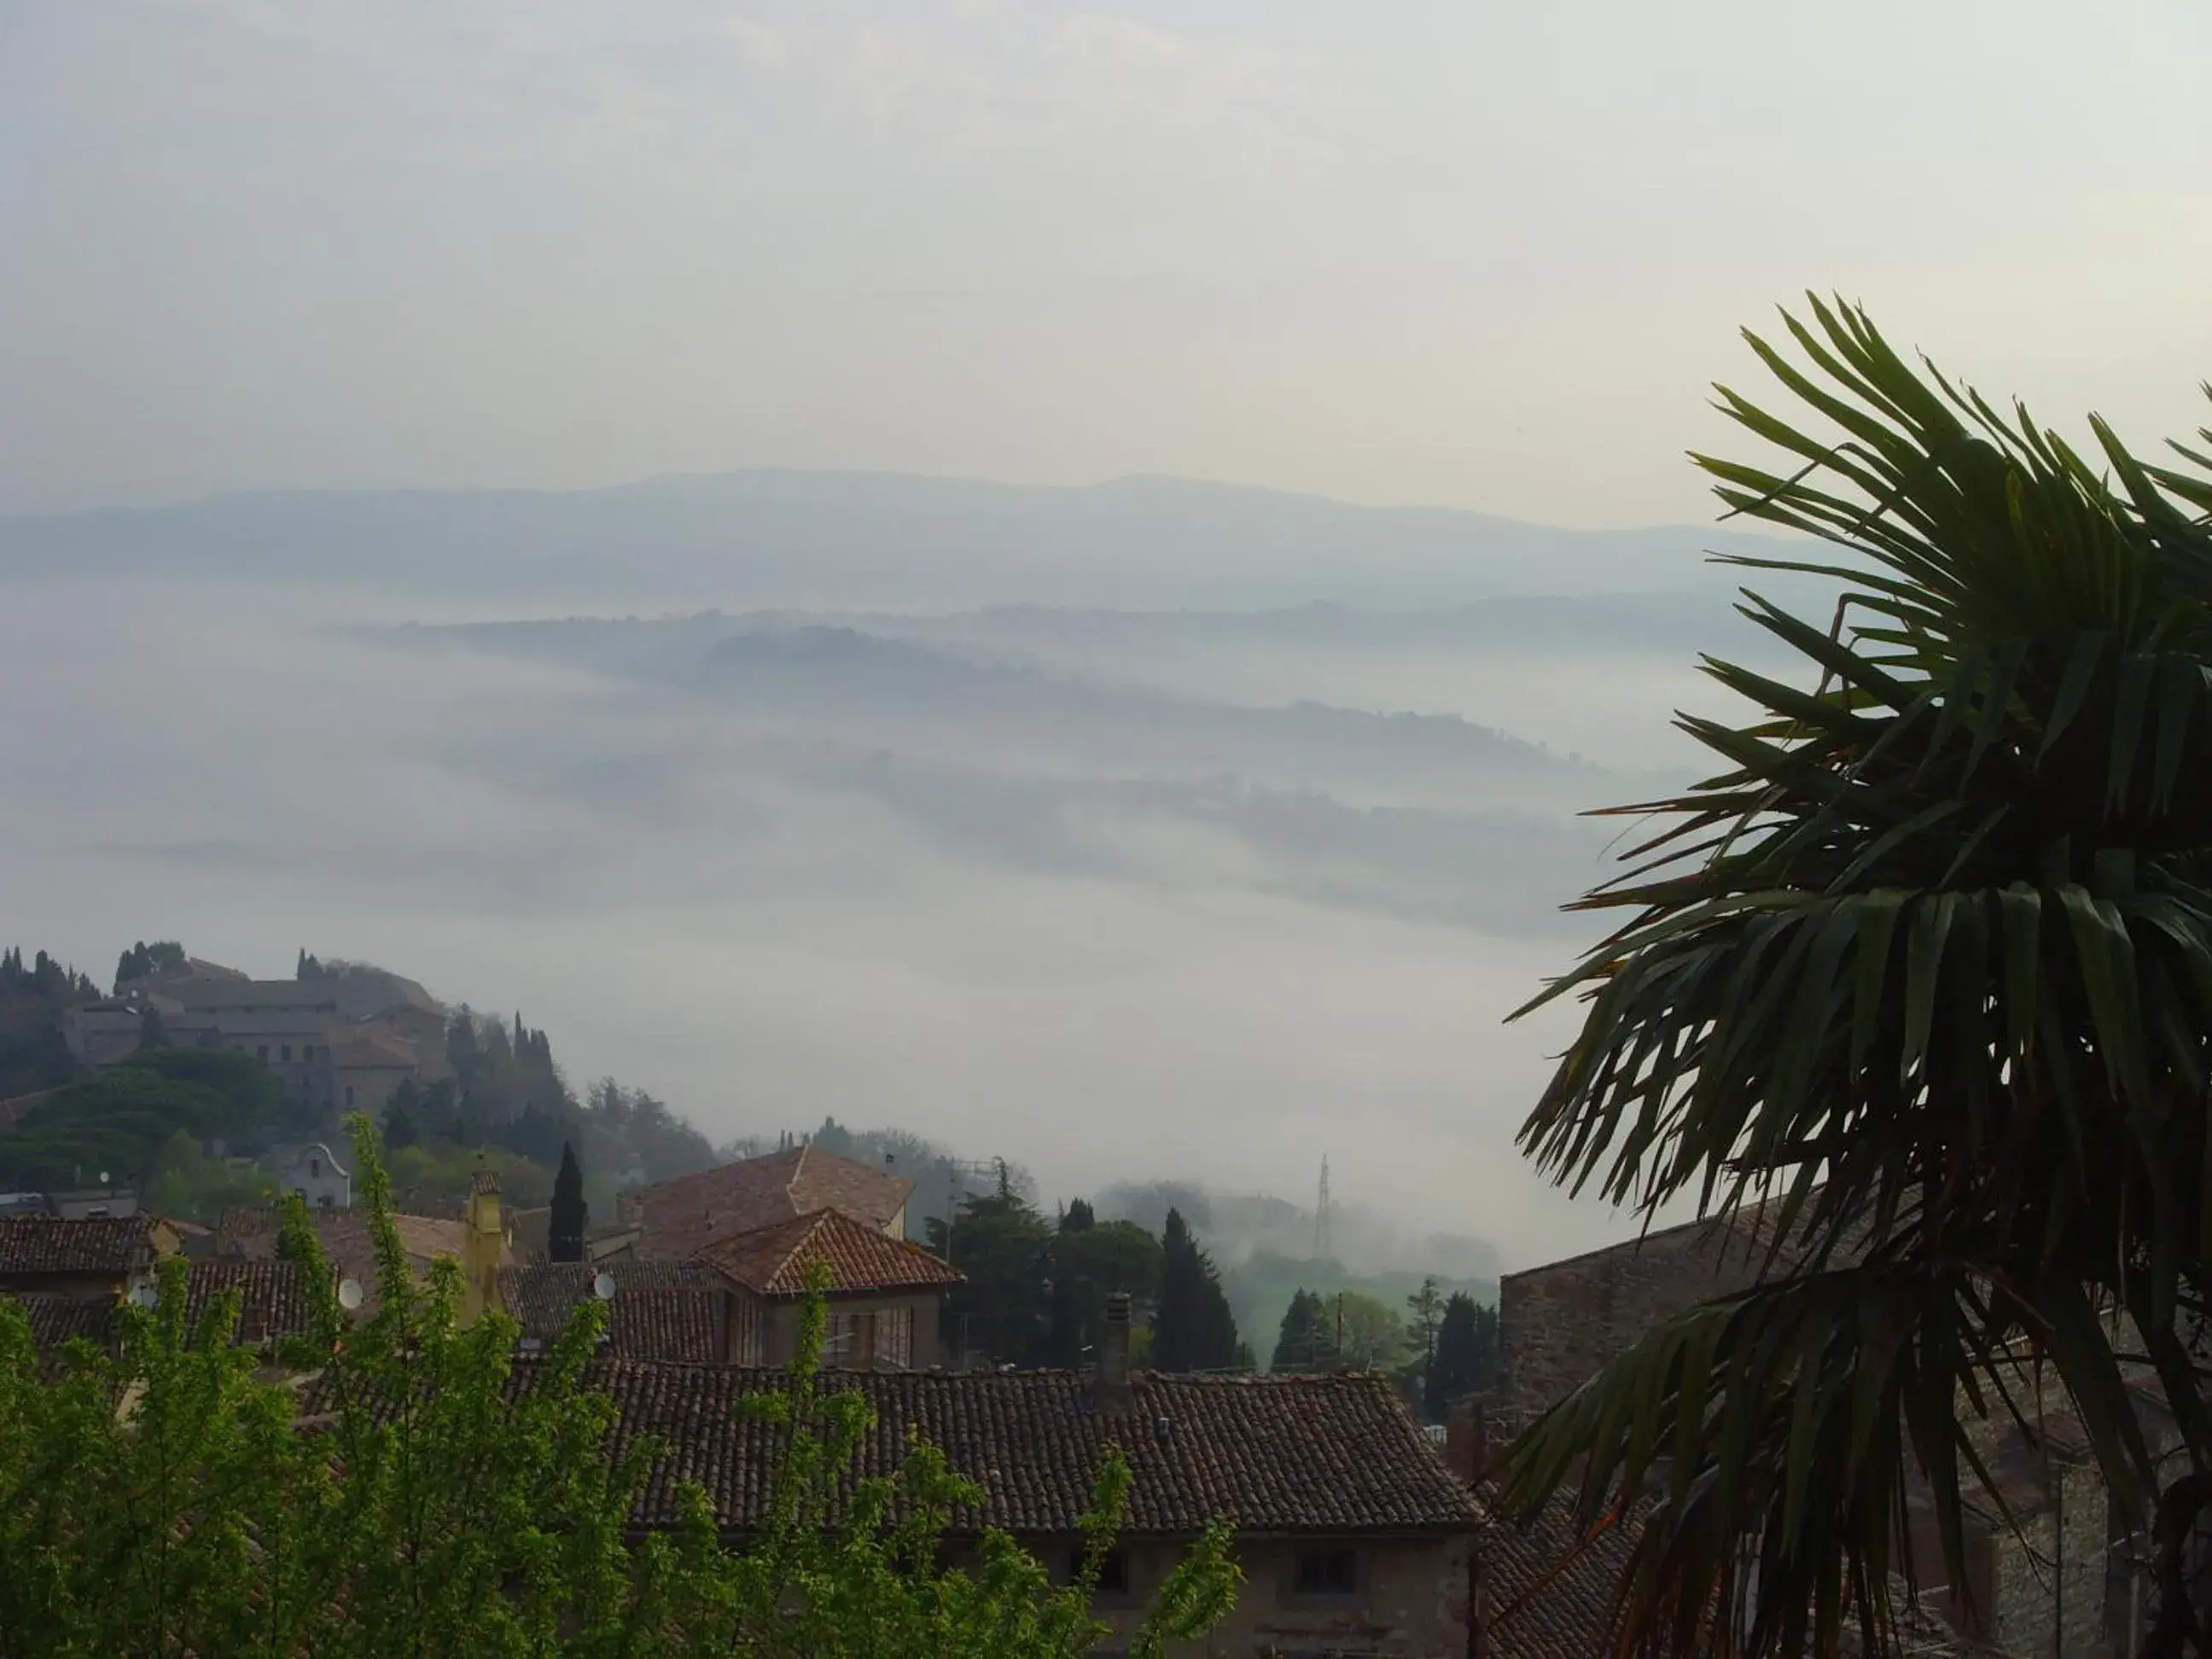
(1411, 1602)
(1560, 1322)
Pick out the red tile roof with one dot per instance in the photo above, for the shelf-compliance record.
(682, 1216)
(776, 1260)
(41, 1244)
(667, 1310)
(1294, 1455)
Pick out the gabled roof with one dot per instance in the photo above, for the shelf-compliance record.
(667, 1310)
(1327, 1455)
(682, 1216)
(776, 1260)
(99, 1244)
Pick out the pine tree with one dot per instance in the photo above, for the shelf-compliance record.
(1194, 1329)
(565, 1224)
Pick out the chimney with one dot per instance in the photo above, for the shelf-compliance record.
(1115, 1394)
(1467, 1438)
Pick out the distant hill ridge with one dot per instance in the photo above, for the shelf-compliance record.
(857, 538)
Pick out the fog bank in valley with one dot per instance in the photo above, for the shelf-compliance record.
(1125, 895)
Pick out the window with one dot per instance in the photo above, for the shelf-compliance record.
(348, 1094)
(288, 1054)
(1325, 1572)
(261, 1053)
(1113, 1571)
(314, 1169)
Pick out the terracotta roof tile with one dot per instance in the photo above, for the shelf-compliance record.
(272, 1296)
(775, 1260)
(272, 1302)
(668, 1310)
(47, 1244)
(1311, 1454)
(56, 1319)
(678, 1218)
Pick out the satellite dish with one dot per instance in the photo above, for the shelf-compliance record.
(349, 1294)
(604, 1287)
(103, 1177)
(145, 1294)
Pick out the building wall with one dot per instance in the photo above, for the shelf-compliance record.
(2048, 1586)
(364, 1088)
(1411, 1601)
(313, 1173)
(1559, 1324)
(918, 1315)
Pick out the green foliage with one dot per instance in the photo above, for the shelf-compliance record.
(568, 1217)
(193, 1187)
(1303, 1342)
(1002, 1313)
(1465, 1359)
(1259, 1287)
(166, 1501)
(1192, 1330)
(33, 1055)
(120, 1119)
(431, 1174)
(1927, 966)
(144, 961)
(1089, 1261)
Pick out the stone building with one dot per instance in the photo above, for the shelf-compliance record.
(90, 1259)
(313, 1173)
(738, 1302)
(2051, 1573)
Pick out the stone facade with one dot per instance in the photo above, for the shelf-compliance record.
(1409, 1597)
(1558, 1323)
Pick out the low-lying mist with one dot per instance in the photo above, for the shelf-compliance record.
(1124, 897)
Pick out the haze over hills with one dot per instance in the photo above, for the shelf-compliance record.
(839, 539)
(1148, 826)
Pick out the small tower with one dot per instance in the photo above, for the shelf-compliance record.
(1321, 1215)
(482, 1248)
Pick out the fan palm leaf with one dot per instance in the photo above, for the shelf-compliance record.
(1924, 971)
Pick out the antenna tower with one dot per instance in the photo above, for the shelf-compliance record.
(1321, 1215)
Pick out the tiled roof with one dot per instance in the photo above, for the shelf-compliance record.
(47, 1244)
(272, 1296)
(775, 1260)
(1295, 1455)
(1548, 1593)
(272, 1302)
(686, 1214)
(668, 1310)
(56, 1319)
(252, 1235)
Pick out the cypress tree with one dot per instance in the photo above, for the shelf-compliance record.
(1194, 1329)
(564, 1239)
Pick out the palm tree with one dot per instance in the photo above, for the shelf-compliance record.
(1925, 973)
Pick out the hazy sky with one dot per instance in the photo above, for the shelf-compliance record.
(1453, 252)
